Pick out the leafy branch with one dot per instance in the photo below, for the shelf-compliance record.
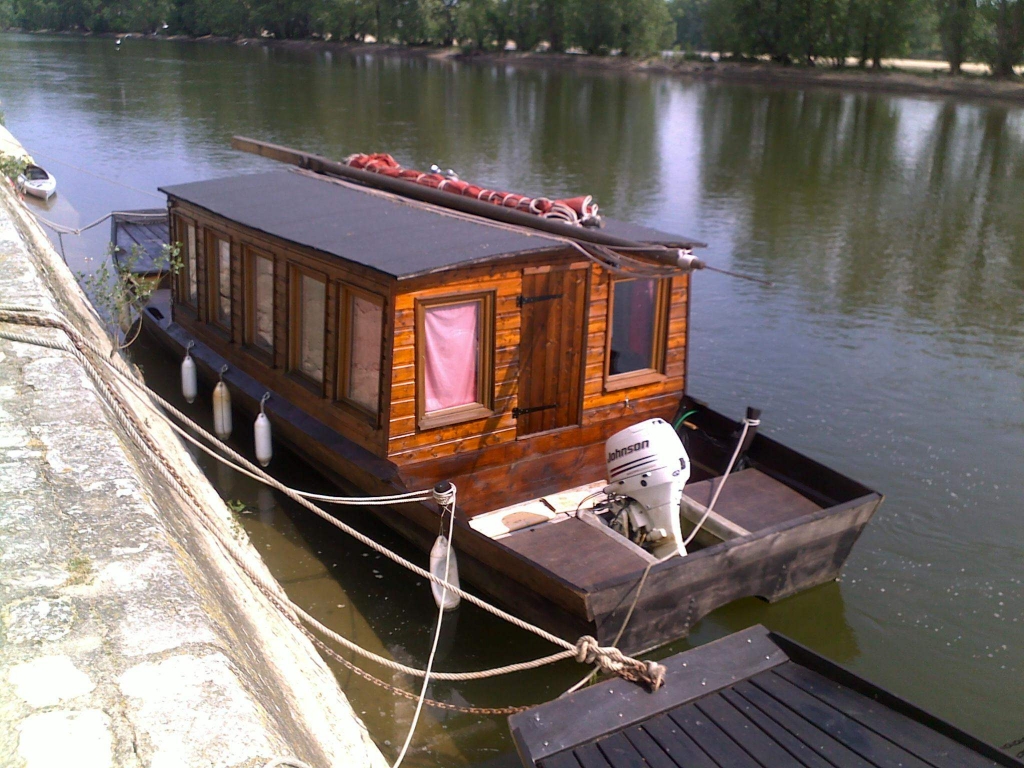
(120, 293)
(12, 166)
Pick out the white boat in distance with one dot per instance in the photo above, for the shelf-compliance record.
(37, 182)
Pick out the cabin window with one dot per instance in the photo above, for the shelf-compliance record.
(309, 313)
(363, 325)
(637, 330)
(191, 276)
(220, 281)
(454, 351)
(260, 302)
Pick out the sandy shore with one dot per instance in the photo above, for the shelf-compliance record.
(907, 77)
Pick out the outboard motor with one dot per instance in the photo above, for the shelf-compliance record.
(647, 470)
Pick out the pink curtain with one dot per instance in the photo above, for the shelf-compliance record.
(451, 352)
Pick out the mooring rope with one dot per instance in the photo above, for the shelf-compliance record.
(466, 710)
(447, 508)
(98, 176)
(66, 230)
(585, 650)
(747, 424)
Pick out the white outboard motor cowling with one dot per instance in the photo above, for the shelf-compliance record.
(647, 470)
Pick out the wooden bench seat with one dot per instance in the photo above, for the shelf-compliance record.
(583, 552)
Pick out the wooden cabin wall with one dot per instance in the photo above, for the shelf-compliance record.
(600, 404)
(408, 444)
(487, 447)
(273, 370)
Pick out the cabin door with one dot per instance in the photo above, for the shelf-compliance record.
(552, 318)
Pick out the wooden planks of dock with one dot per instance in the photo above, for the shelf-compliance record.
(750, 700)
(144, 233)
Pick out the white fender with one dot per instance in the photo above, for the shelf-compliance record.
(437, 556)
(262, 436)
(222, 411)
(189, 385)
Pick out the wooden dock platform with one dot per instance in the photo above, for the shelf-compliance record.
(751, 700)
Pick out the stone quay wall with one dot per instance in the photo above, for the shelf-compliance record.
(128, 636)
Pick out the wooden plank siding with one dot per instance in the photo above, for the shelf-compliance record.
(484, 456)
(407, 443)
(323, 405)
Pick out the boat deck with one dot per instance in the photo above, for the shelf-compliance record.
(750, 700)
(546, 529)
(144, 233)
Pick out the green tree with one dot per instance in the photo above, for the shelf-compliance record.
(688, 17)
(882, 28)
(594, 25)
(523, 21)
(485, 23)
(347, 19)
(956, 30)
(646, 27)
(836, 32)
(1001, 36)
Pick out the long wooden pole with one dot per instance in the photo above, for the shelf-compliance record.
(663, 252)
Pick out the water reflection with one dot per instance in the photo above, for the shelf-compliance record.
(816, 619)
(889, 348)
(877, 205)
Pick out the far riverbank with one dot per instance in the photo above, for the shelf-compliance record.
(892, 80)
(904, 77)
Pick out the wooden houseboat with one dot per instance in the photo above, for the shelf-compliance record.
(405, 343)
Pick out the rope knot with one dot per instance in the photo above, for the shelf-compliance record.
(444, 496)
(611, 660)
(586, 650)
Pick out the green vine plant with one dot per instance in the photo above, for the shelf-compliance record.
(120, 294)
(12, 166)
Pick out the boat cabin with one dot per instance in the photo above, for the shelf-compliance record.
(451, 346)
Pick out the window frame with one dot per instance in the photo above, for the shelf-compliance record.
(212, 237)
(249, 256)
(181, 225)
(483, 407)
(345, 329)
(295, 274)
(659, 338)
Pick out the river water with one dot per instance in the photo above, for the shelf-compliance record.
(890, 346)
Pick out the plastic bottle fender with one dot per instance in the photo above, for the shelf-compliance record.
(222, 411)
(189, 385)
(437, 555)
(262, 435)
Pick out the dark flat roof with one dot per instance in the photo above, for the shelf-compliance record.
(394, 236)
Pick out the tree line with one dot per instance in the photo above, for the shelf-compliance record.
(812, 32)
(634, 27)
(830, 32)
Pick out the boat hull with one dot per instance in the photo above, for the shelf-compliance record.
(43, 190)
(771, 564)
